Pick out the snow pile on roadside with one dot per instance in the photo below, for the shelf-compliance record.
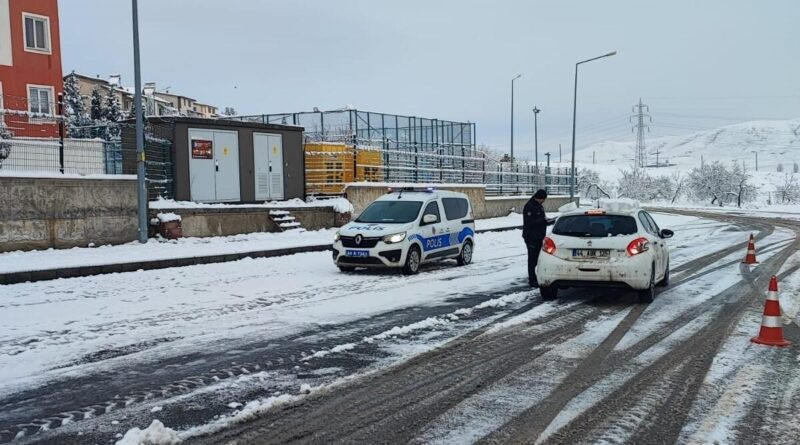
(340, 205)
(249, 411)
(168, 217)
(155, 434)
(159, 249)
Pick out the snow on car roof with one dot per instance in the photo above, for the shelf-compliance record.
(620, 205)
(623, 206)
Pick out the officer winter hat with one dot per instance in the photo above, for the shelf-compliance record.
(540, 194)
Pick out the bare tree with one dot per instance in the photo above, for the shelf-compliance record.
(789, 190)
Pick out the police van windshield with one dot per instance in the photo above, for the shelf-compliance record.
(594, 226)
(392, 212)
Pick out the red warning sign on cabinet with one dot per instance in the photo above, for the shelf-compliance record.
(202, 149)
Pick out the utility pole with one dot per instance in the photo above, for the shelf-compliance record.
(593, 159)
(547, 174)
(559, 153)
(512, 117)
(141, 185)
(640, 115)
(658, 151)
(756, 153)
(574, 115)
(535, 137)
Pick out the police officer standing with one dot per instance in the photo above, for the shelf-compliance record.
(534, 227)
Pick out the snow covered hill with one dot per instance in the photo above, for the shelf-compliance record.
(775, 141)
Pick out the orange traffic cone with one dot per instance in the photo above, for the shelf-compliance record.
(771, 333)
(750, 258)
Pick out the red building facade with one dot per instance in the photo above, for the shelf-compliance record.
(30, 66)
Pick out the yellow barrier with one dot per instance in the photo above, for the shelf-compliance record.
(329, 166)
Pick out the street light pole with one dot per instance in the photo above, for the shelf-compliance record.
(536, 137)
(141, 186)
(574, 114)
(512, 117)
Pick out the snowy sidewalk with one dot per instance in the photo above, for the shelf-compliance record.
(19, 266)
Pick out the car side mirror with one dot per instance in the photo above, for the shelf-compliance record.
(429, 219)
(666, 233)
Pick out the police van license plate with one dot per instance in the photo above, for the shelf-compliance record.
(591, 253)
(357, 253)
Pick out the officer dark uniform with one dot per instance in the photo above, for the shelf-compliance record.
(534, 227)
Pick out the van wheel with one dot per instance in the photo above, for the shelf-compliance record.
(465, 257)
(647, 295)
(548, 292)
(413, 260)
(347, 268)
(665, 281)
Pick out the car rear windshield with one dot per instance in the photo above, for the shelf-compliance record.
(594, 226)
(390, 212)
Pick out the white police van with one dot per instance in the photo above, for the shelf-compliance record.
(406, 228)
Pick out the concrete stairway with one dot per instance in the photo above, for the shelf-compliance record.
(284, 220)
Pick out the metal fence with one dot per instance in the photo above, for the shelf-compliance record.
(350, 145)
(41, 141)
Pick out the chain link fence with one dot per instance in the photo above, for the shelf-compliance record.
(343, 146)
(40, 141)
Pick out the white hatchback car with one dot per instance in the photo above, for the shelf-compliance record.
(617, 245)
(406, 228)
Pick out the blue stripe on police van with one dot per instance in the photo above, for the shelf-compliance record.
(465, 232)
(445, 240)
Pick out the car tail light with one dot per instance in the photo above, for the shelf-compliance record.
(638, 246)
(549, 246)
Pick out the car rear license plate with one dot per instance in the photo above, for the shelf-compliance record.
(591, 253)
(357, 253)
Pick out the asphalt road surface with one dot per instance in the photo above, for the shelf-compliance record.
(586, 369)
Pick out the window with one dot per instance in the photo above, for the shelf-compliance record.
(432, 209)
(392, 212)
(595, 226)
(646, 223)
(653, 223)
(40, 99)
(455, 208)
(37, 33)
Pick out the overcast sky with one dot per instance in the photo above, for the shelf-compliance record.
(698, 64)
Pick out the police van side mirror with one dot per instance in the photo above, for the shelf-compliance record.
(429, 219)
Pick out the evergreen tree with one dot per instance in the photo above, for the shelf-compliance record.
(112, 114)
(96, 109)
(5, 141)
(229, 111)
(112, 111)
(74, 108)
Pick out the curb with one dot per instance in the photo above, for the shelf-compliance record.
(100, 269)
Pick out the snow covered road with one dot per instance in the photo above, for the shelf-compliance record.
(85, 359)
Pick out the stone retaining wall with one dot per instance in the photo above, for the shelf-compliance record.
(362, 194)
(43, 212)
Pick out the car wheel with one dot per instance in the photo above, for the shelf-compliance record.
(647, 295)
(347, 268)
(465, 257)
(665, 281)
(548, 292)
(413, 260)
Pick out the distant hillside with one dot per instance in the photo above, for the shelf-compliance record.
(775, 141)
